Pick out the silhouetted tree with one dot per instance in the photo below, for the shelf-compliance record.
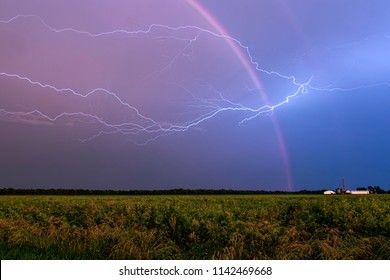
(379, 190)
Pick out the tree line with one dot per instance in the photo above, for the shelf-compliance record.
(13, 191)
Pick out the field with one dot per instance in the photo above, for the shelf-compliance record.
(195, 227)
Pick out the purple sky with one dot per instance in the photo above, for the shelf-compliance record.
(193, 94)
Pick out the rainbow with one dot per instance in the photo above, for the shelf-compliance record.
(252, 72)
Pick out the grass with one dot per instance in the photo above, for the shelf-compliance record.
(195, 227)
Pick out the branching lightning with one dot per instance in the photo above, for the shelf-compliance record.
(147, 128)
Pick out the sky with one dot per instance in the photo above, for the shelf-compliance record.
(148, 94)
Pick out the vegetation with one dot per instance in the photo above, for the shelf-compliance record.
(195, 227)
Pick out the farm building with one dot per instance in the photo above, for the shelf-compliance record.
(329, 192)
(357, 192)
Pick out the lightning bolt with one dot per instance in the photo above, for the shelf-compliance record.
(144, 129)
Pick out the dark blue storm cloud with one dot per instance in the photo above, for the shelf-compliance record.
(278, 95)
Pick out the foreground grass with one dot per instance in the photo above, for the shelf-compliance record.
(195, 227)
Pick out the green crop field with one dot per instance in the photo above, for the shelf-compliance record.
(195, 227)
